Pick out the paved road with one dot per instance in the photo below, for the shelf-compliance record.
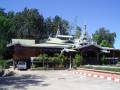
(54, 80)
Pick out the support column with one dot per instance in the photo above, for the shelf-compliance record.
(13, 64)
(32, 58)
(81, 58)
(70, 66)
(113, 57)
(98, 58)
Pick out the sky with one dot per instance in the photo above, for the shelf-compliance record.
(93, 13)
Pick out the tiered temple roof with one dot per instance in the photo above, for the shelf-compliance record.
(61, 41)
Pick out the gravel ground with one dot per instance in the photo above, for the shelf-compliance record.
(54, 80)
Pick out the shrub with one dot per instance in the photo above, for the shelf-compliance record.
(56, 60)
(118, 62)
(2, 64)
(103, 61)
(77, 60)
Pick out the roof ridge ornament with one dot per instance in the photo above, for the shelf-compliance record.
(85, 38)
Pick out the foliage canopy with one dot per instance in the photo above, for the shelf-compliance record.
(104, 37)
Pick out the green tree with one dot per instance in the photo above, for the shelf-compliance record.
(29, 24)
(61, 59)
(3, 64)
(103, 61)
(57, 59)
(44, 59)
(2, 12)
(77, 61)
(104, 34)
(49, 26)
(61, 23)
(52, 25)
(4, 33)
(105, 43)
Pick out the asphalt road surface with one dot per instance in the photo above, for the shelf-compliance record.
(54, 80)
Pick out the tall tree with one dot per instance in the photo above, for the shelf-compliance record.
(4, 31)
(103, 36)
(49, 26)
(10, 14)
(2, 12)
(52, 24)
(62, 24)
(29, 24)
(105, 43)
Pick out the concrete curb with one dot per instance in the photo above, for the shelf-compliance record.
(107, 76)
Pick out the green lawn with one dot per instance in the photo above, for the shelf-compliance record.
(102, 67)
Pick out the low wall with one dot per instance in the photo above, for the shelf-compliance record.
(108, 75)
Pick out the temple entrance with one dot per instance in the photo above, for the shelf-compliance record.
(90, 57)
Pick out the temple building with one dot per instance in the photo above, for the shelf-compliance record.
(23, 49)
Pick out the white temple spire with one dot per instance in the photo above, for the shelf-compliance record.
(58, 31)
(85, 28)
(85, 38)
